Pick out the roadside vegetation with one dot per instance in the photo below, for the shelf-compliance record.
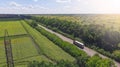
(32, 46)
(82, 58)
(101, 37)
(47, 47)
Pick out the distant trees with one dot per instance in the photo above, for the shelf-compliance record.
(91, 34)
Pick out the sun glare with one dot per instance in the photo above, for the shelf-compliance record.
(101, 6)
(108, 6)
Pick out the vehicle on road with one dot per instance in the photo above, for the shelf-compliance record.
(79, 44)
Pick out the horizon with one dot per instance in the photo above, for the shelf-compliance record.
(60, 7)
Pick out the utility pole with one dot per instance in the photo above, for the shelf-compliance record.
(8, 50)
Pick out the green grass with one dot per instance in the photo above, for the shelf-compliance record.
(2, 54)
(23, 51)
(24, 62)
(23, 48)
(13, 27)
(47, 47)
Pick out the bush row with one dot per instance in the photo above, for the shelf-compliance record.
(92, 34)
(70, 48)
(83, 60)
(49, 64)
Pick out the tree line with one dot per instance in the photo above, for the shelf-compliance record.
(83, 60)
(91, 34)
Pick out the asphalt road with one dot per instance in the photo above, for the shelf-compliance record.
(89, 51)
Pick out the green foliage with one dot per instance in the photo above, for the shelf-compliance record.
(82, 58)
(92, 34)
(102, 51)
(33, 24)
(116, 54)
(96, 61)
(48, 64)
(73, 50)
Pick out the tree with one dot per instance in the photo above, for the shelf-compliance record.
(96, 61)
(33, 24)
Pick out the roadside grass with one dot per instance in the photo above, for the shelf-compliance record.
(47, 47)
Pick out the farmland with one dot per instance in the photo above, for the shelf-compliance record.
(36, 47)
(13, 27)
(47, 47)
(24, 41)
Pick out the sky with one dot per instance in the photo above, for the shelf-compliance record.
(60, 7)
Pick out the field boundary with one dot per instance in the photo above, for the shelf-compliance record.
(36, 45)
(16, 36)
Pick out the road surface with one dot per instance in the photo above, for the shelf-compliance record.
(89, 51)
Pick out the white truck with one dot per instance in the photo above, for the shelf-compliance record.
(79, 44)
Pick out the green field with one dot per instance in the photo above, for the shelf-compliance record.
(23, 51)
(2, 54)
(47, 47)
(13, 27)
(24, 48)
